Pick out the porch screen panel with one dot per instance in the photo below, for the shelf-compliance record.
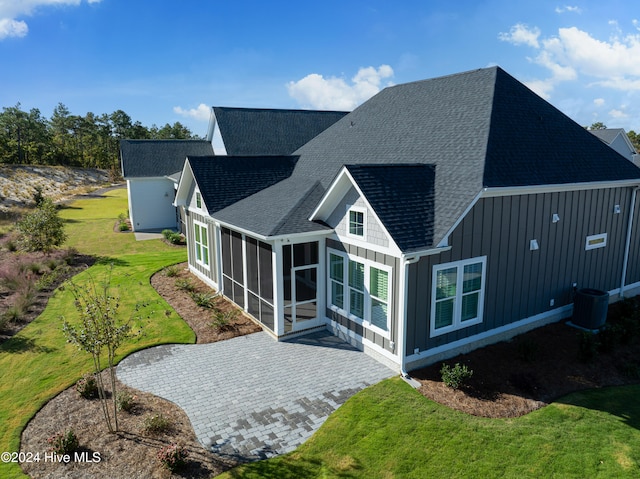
(259, 278)
(266, 271)
(236, 246)
(226, 252)
(252, 266)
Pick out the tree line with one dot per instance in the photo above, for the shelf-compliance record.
(89, 141)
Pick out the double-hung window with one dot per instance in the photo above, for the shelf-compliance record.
(360, 290)
(201, 243)
(356, 218)
(457, 298)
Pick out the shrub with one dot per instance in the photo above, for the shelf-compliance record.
(223, 320)
(35, 268)
(609, 337)
(171, 271)
(173, 237)
(63, 442)
(5, 319)
(155, 424)
(185, 285)
(11, 246)
(87, 386)
(125, 401)
(43, 229)
(204, 300)
(38, 196)
(455, 377)
(173, 456)
(123, 227)
(630, 370)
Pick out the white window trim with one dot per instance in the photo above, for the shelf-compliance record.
(198, 245)
(595, 241)
(457, 323)
(357, 209)
(344, 311)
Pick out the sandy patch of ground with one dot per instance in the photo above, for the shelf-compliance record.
(18, 183)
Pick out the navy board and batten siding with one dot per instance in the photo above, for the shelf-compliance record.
(388, 344)
(520, 282)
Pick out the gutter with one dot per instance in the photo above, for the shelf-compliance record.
(627, 245)
(402, 338)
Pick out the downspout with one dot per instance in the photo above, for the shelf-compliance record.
(628, 241)
(402, 334)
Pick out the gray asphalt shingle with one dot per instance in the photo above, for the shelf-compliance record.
(157, 158)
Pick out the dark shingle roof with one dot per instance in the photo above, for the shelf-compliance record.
(480, 129)
(403, 198)
(225, 180)
(254, 131)
(607, 134)
(157, 158)
(533, 143)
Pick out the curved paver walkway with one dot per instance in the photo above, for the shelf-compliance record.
(252, 397)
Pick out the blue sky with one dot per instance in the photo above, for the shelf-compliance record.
(164, 61)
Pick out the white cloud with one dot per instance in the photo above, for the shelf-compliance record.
(617, 114)
(201, 113)
(612, 63)
(521, 34)
(316, 91)
(568, 8)
(598, 102)
(10, 10)
(12, 28)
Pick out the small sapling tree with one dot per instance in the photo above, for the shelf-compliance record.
(98, 332)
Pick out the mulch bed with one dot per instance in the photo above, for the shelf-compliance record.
(513, 378)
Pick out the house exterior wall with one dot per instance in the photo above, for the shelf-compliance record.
(521, 283)
(151, 204)
(209, 275)
(633, 265)
(386, 344)
(621, 146)
(339, 222)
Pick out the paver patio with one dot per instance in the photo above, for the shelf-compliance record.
(252, 397)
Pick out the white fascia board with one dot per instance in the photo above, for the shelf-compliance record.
(289, 238)
(336, 191)
(186, 178)
(532, 190)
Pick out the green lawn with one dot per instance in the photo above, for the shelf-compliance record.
(38, 363)
(391, 431)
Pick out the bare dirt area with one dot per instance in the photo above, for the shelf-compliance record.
(18, 183)
(513, 378)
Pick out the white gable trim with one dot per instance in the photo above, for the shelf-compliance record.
(186, 179)
(330, 201)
